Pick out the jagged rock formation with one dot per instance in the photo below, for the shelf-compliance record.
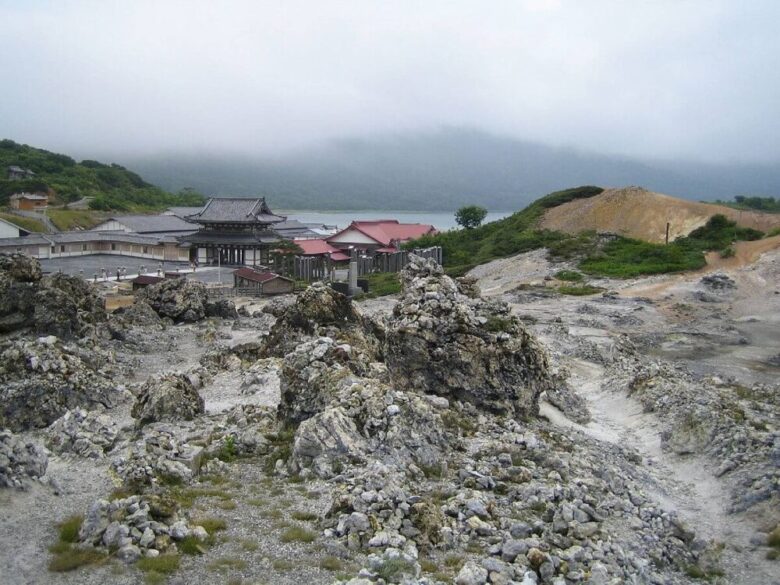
(320, 311)
(440, 341)
(20, 461)
(20, 267)
(366, 419)
(184, 301)
(56, 304)
(82, 433)
(349, 408)
(311, 373)
(138, 314)
(169, 398)
(40, 380)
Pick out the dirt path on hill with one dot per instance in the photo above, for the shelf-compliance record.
(682, 484)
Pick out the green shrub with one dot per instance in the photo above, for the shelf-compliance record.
(627, 258)
(727, 252)
(382, 284)
(392, 569)
(304, 516)
(773, 539)
(465, 248)
(497, 324)
(228, 451)
(69, 529)
(569, 275)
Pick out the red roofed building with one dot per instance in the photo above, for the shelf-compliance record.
(321, 248)
(267, 283)
(381, 235)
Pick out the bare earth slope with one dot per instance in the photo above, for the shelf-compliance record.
(637, 213)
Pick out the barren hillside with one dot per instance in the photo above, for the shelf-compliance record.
(638, 213)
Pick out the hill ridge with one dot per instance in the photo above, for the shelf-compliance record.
(636, 212)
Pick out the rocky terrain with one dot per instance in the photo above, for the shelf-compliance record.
(448, 435)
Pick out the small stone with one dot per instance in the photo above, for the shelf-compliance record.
(472, 574)
(512, 548)
(179, 530)
(200, 533)
(147, 538)
(128, 553)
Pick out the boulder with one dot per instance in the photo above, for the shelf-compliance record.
(168, 398)
(20, 461)
(718, 282)
(365, 418)
(440, 341)
(58, 304)
(40, 380)
(326, 438)
(223, 308)
(182, 300)
(20, 268)
(139, 313)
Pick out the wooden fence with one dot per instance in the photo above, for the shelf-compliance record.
(310, 269)
(227, 291)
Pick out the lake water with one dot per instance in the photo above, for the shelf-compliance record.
(442, 221)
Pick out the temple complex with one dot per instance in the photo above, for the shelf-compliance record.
(233, 231)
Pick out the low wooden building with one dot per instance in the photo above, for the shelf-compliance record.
(145, 280)
(86, 243)
(28, 201)
(266, 283)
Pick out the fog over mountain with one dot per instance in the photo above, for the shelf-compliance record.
(441, 170)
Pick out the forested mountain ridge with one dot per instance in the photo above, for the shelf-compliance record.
(111, 186)
(441, 171)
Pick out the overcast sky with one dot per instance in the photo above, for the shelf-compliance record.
(696, 79)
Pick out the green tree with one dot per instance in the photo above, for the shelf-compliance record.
(470, 216)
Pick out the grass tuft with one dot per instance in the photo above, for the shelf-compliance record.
(164, 564)
(211, 524)
(226, 564)
(297, 534)
(331, 564)
(74, 558)
(69, 528)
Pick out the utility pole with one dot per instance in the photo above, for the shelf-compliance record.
(667, 232)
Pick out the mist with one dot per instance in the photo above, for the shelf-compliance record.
(693, 80)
